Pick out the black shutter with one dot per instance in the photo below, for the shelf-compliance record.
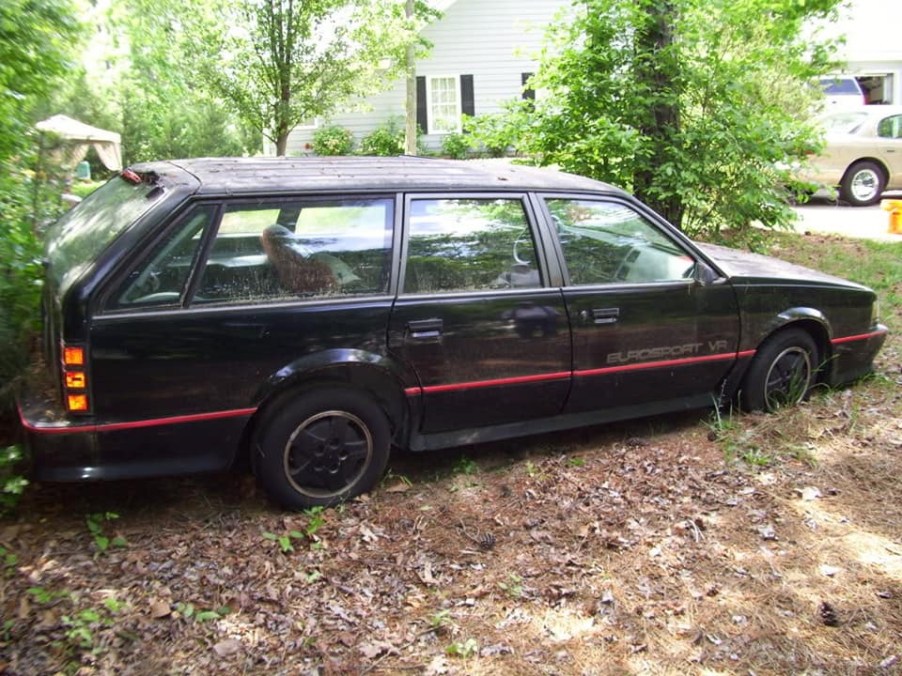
(422, 117)
(467, 105)
(528, 93)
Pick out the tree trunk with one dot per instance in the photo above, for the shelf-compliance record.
(657, 73)
(410, 117)
(281, 144)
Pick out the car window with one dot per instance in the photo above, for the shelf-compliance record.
(846, 122)
(161, 279)
(844, 85)
(277, 250)
(890, 127)
(273, 250)
(609, 242)
(469, 245)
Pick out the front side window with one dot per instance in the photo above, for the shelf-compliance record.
(444, 105)
(459, 245)
(609, 242)
(269, 250)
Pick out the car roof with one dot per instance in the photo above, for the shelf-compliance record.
(301, 174)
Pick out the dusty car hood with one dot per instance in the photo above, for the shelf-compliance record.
(742, 265)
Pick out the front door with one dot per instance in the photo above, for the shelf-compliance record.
(645, 331)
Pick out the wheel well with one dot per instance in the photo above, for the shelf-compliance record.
(880, 165)
(389, 396)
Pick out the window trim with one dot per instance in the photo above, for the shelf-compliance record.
(532, 222)
(430, 118)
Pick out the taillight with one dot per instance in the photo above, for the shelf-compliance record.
(75, 379)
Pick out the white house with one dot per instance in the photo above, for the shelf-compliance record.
(482, 53)
(873, 48)
(484, 50)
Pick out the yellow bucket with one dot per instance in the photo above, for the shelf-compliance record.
(894, 207)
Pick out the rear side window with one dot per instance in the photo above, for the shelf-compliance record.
(469, 245)
(268, 250)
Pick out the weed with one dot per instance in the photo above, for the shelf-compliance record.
(440, 619)
(531, 470)
(284, 541)
(189, 612)
(8, 560)
(95, 524)
(12, 483)
(466, 466)
(513, 587)
(46, 596)
(576, 462)
(466, 649)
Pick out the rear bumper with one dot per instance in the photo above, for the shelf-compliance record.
(63, 449)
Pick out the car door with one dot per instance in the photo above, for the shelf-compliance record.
(488, 339)
(192, 330)
(646, 331)
(889, 147)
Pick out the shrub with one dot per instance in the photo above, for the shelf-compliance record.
(333, 140)
(496, 134)
(456, 146)
(386, 141)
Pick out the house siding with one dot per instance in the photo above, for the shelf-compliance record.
(495, 41)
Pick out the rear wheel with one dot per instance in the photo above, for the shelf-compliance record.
(322, 448)
(782, 373)
(863, 184)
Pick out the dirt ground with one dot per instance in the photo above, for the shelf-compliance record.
(683, 544)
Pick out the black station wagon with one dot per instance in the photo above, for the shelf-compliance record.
(306, 315)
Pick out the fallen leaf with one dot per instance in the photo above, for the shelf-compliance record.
(228, 647)
(159, 609)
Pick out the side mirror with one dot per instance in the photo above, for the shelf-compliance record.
(706, 275)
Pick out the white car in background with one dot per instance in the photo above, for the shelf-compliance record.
(863, 154)
(842, 92)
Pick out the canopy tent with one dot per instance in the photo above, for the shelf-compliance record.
(79, 137)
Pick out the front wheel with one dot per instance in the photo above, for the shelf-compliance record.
(782, 373)
(863, 184)
(321, 449)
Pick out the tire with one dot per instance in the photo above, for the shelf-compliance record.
(321, 448)
(782, 373)
(863, 184)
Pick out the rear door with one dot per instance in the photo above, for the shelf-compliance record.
(645, 331)
(193, 330)
(487, 338)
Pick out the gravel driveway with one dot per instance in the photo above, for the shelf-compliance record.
(825, 216)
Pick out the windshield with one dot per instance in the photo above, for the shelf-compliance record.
(76, 240)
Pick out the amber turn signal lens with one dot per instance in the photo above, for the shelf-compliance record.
(75, 380)
(77, 402)
(74, 356)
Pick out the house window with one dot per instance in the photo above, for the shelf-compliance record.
(443, 96)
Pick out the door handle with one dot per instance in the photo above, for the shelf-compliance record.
(425, 328)
(608, 315)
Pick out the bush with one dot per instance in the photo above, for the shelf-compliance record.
(27, 201)
(496, 134)
(333, 140)
(386, 141)
(456, 146)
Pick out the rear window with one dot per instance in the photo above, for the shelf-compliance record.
(79, 237)
(836, 86)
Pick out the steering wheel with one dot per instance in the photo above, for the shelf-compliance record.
(522, 240)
